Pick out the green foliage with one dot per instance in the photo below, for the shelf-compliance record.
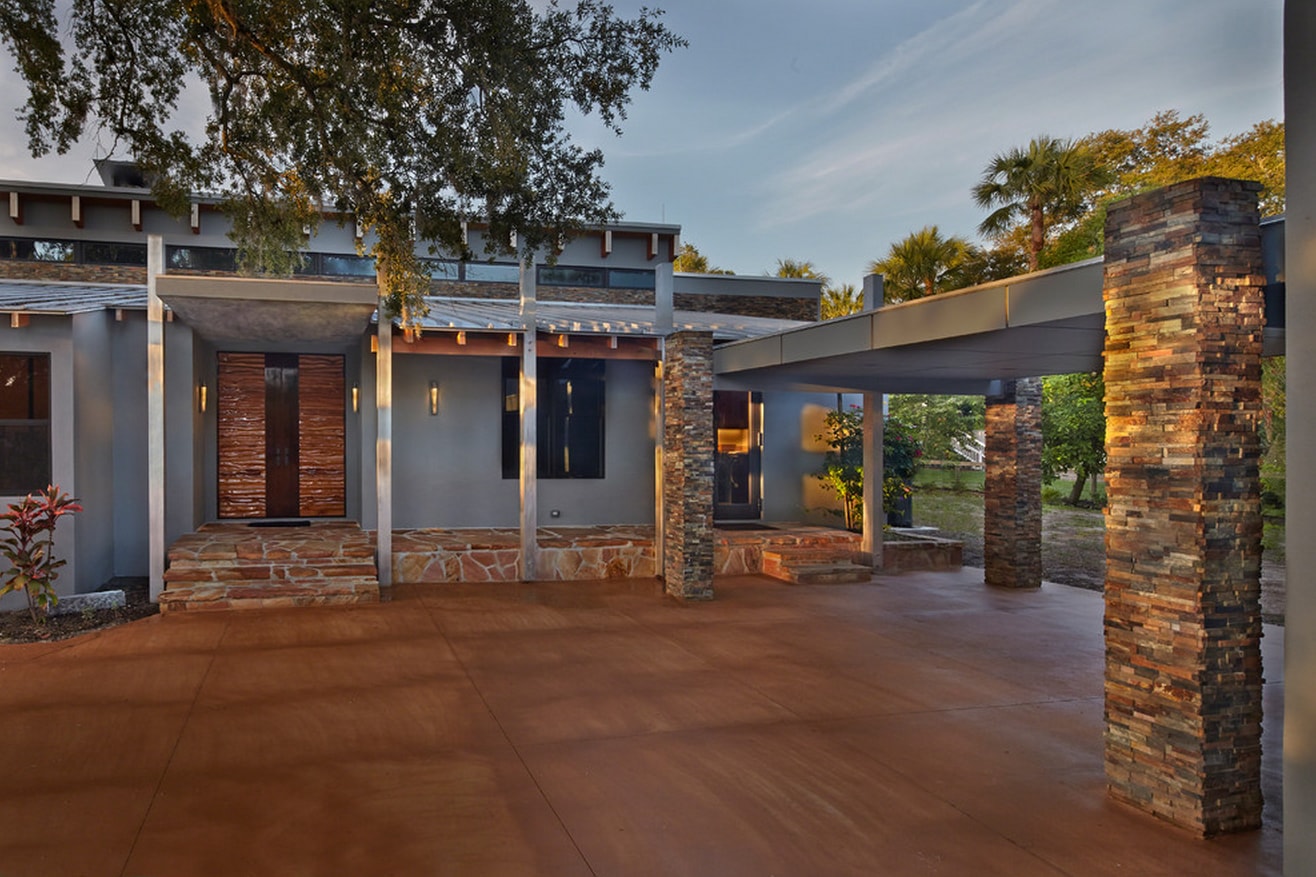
(1274, 417)
(28, 543)
(800, 270)
(691, 261)
(1048, 182)
(921, 264)
(843, 464)
(939, 422)
(413, 115)
(837, 301)
(1073, 428)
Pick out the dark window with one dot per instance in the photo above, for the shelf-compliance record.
(97, 253)
(202, 258)
(569, 422)
(38, 251)
(493, 272)
(630, 278)
(24, 422)
(442, 269)
(348, 266)
(562, 275)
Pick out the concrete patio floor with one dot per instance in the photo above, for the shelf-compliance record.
(920, 724)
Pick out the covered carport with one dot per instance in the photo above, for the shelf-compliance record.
(1173, 315)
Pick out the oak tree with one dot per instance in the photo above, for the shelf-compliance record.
(413, 115)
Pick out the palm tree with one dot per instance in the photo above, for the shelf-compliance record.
(837, 301)
(1042, 184)
(804, 270)
(691, 261)
(921, 264)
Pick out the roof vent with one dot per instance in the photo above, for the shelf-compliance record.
(121, 174)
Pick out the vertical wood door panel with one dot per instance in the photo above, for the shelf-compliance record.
(241, 416)
(322, 464)
(282, 440)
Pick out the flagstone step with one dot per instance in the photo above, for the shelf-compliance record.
(233, 566)
(814, 565)
(337, 591)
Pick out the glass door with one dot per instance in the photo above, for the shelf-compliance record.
(738, 461)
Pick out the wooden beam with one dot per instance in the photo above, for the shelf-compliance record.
(75, 210)
(196, 218)
(18, 321)
(434, 343)
(606, 243)
(135, 211)
(15, 208)
(653, 246)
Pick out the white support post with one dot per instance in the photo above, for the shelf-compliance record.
(528, 394)
(659, 451)
(384, 450)
(155, 417)
(871, 546)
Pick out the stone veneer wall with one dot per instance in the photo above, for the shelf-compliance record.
(749, 305)
(1012, 496)
(1183, 292)
(70, 272)
(688, 465)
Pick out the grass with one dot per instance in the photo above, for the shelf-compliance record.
(1073, 539)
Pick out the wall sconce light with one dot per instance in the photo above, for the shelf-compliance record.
(201, 397)
(511, 339)
(461, 338)
(356, 396)
(434, 397)
(562, 341)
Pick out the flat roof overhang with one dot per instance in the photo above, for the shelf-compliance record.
(234, 309)
(963, 342)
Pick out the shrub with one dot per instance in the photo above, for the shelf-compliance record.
(29, 545)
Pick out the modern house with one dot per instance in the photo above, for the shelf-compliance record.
(282, 400)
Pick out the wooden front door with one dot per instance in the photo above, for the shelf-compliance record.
(281, 436)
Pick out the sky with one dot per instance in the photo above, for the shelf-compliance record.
(827, 131)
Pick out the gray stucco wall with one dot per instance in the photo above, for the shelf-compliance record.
(447, 468)
(792, 456)
(93, 401)
(53, 335)
(128, 379)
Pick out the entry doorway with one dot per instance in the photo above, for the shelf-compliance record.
(281, 435)
(738, 460)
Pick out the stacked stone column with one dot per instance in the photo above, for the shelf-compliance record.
(1012, 495)
(1183, 293)
(688, 446)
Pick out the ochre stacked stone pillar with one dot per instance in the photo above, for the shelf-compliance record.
(688, 445)
(1012, 496)
(1183, 292)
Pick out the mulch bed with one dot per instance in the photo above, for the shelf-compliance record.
(18, 627)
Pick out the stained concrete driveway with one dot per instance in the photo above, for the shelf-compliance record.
(920, 724)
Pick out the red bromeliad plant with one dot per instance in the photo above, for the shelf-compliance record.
(28, 542)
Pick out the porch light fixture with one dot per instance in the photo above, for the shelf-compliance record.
(356, 397)
(434, 398)
(201, 397)
(461, 338)
(562, 341)
(511, 339)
